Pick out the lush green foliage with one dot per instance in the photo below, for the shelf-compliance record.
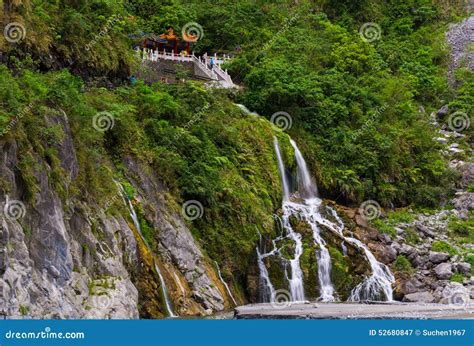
(403, 265)
(354, 104)
(441, 246)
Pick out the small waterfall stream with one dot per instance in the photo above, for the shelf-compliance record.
(377, 286)
(225, 283)
(164, 288)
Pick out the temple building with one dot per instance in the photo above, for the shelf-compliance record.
(169, 42)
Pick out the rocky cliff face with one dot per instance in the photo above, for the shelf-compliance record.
(74, 258)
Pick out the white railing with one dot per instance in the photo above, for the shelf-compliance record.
(215, 72)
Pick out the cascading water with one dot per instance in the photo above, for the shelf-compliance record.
(225, 283)
(377, 286)
(267, 290)
(164, 289)
(296, 276)
(306, 186)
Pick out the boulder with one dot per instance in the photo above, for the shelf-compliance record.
(443, 271)
(464, 201)
(463, 268)
(411, 286)
(419, 262)
(455, 293)
(438, 257)
(407, 250)
(387, 254)
(419, 297)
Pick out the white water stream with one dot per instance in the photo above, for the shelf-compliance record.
(225, 283)
(306, 206)
(164, 288)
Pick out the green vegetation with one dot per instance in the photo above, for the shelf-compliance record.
(403, 265)
(462, 230)
(457, 278)
(24, 310)
(340, 275)
(354, 104)
(392, 219)
(411, 236)
(441, 246)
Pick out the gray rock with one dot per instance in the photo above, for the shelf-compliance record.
(411, 286)
(420, 262)
(463, 268)
(443, 111)
(455, 293)
(176, 240)
(387, 254)
(467, 174)
(458, 37)
(407, 250)
(423, 297)
(443, 271)
(438, 257)
(385, 238)
(464, 201)
(424, 230)
(441, 140)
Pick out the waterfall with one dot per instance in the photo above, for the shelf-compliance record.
(245, 109)
(164, 288)
(225, 283)
(306, 186)
(296, 279)
(281, 168)
(377, 286)
(266, 288)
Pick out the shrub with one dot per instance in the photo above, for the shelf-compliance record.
(441, 246)
(403, 265)
(457, 278)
